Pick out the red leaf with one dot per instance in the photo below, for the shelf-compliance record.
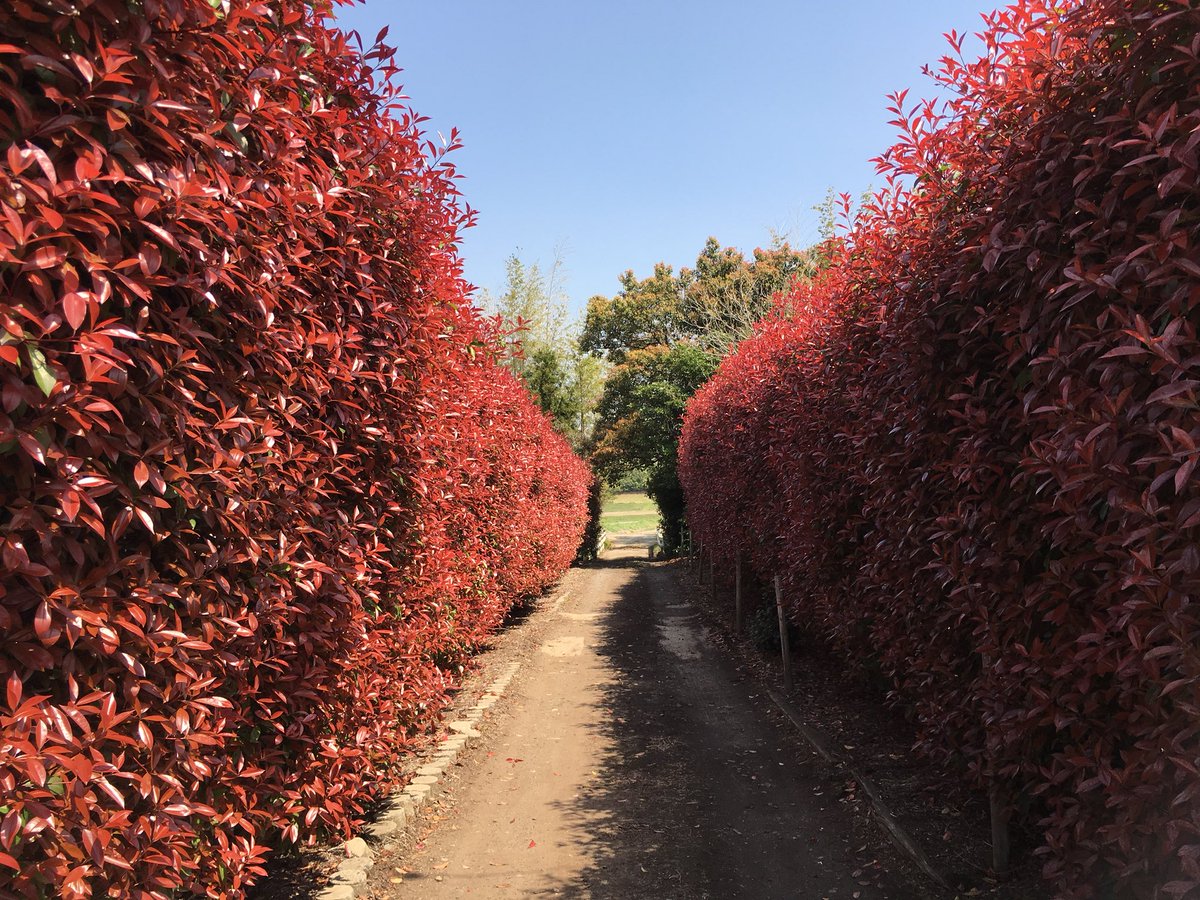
(46, 256)
(14, 688)
(42, 622)
(87, 166)
(80, 766)
(84, 67)
(31, 446)
(75, 307)
(31, 655)
(145, 518)
(52, 216)
(70, 504)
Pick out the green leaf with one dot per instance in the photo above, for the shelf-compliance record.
(41, 372)
(235, 134)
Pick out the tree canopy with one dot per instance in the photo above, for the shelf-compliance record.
(665, 334)
(640, 417)
(540, 349)
(714, 304)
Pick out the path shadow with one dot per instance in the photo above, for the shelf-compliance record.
(629, 819)
(696, 794)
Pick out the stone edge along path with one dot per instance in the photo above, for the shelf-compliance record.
(902, 840)
(404, 807)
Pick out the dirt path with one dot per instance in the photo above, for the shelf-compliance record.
(627, 761)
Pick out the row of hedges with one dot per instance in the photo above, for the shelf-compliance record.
(262, 484)
(970, 448)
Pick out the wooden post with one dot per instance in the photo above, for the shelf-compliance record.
(998, 811)
(1000, 842)
(712, 581)
(737, 594)
(783, 635)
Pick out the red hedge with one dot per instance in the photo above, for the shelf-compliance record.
(970, 449)
(263, 484)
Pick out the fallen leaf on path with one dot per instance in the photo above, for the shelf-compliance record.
(532, 844)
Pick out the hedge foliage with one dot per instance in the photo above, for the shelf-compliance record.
(262, 484)
(970, 448)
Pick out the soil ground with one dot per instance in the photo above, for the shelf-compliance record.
(636, 754)
(946, 819)
(629, 759)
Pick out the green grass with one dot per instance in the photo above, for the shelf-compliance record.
(630, 512)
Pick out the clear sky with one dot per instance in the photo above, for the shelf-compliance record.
(625, 132)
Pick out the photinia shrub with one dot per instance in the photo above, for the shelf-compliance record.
(970, 448)
(262, 484)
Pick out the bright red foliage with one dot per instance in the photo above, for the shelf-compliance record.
(262, 482)
(971, 447)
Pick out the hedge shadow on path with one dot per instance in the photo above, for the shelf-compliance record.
(698, 793)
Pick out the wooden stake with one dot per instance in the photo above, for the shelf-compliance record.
(783, 635)
(737, 594)
(1000, 842)
(712, 581)
(998, 811)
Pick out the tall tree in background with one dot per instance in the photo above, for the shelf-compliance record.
(565, 381)
(532, 308)
(639, 420)
(546, 378)
(715, 304)
(726, 294)
(645, 313)
(585, 383)
(665, 334)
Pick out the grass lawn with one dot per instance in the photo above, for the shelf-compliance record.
(625, 513)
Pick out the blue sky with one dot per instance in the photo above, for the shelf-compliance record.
(624, 133)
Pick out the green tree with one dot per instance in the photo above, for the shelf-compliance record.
(645, 313)
(585, 384)
(565, 381)
(714, 304)
(665, 334)
(546, 378)
(726, 294)
(639, 420)
(532, 308)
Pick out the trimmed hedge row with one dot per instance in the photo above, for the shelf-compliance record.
(263, 485)
(970, 448)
